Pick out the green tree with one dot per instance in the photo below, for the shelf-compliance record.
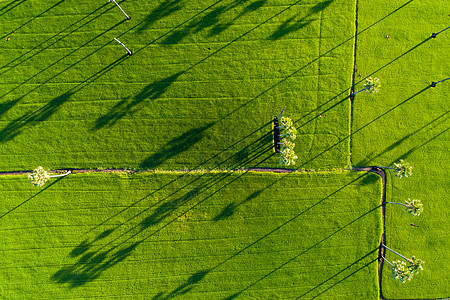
(414, 207)
(288, 126)
(288, 157)
(404, 270)
(401, 169)
(372, 85)
(285, 123)
(40, 176)
(287, 152)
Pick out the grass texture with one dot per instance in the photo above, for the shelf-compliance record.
(205, 80)
(408, 120)
(191, 236)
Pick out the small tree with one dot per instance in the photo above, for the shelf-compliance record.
(288, 156)
(40, 176)
(285, 123)
(404, 270)
(402, 169)
(288, 126)
(372, 85)
(287, 152)
(414, 207)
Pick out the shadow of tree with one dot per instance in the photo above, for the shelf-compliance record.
(355, 263)
(29, 199)
(91, 264)
(127, 105)
(165, 9)
(85, 245)
(188, 285)
(28, 119)
(229, 210)
(220, 27)
(212, 20)
(166, 209)
(175, 146)
(292, 25)
(4, 107)
(11, 3)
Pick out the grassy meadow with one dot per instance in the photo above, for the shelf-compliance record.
(203, 83)
(205, 80)
(408, 120)
(191, 235)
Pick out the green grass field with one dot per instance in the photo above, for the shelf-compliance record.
(204, 82)
(195, 236)
(408, 120)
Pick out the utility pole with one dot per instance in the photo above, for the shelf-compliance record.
(433, 84)
(128, 17)
(434, 35)
(128, 50)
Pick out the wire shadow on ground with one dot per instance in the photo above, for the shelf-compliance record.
(16, 126)
(19, 59)
(92, 262)
(303, 252)
(24, 202)
(33, 118)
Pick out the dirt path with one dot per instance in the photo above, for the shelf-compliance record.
(381, 250)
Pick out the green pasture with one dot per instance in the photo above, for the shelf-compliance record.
(199, 92)
(191, 235)
(204, 82)
(408, 120)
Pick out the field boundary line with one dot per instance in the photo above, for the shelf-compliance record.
(202, 171)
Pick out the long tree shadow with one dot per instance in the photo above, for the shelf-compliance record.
(180, 177)
(414, 149)
(187, 286)
(127, 106)
(62, 58)
(16, 126)
(167, 208)
(5, 107)
(284, 224)
(94, 259)
(164, 9)
(175, 146)
(91, 265)
(229, 210)
(292, 24)
(220, 27)
(204, 182)
(362, 127)
(398, 57)
(346, 277)
(212, 20)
